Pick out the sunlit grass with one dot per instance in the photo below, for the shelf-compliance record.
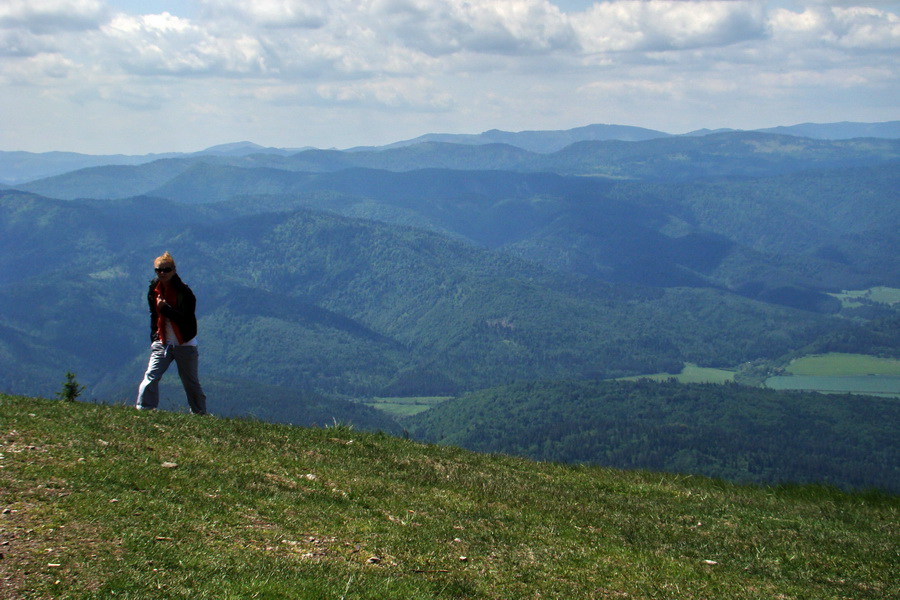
(878, 295)
(844, 365)
(691, 373)
(103, 502)
(405, 406)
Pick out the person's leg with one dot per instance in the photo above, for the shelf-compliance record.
(148, 392)
(187, 359)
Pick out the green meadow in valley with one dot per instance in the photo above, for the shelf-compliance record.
(837, 372)
(844, 365)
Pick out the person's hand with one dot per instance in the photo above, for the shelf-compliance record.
(160, 303)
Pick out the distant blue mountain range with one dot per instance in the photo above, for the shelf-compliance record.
(18, 166)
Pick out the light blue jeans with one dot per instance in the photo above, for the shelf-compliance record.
(186, 358)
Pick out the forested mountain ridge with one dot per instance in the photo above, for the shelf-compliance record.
(721, 155)
(780, 238)
(311, 299)
(17, 167)
(729, 431)
(839, 131)
(551, 141)
(541, 141)
(440, 269)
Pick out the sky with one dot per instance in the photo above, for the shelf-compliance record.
(151, 76)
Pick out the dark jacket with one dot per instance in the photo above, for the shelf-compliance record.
(181, 313)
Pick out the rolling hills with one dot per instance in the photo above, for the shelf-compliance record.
(291, 290)
(18, 167)
(443, 269)
(670, 159)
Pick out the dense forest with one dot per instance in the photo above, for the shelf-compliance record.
(729, 431)
(439, 281)
(310, 300)
(879, 337)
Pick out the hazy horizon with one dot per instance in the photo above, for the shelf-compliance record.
(152, 76)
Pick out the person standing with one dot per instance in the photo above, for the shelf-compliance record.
(173, 337)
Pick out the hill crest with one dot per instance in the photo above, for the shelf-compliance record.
(102, 501)
(17, 167)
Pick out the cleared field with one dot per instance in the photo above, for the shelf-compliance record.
(691, 373)
(879, 295)
(842, 374)
(405, 407)
(844, 365)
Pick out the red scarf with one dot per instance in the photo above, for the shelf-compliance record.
(170, 296)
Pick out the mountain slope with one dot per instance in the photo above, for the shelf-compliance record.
(105, 501)
(307, 299)
(108, 181)
(731, 154)
(734, 432)
(776, 218)
(454, 279)
(540, 141)
(825, 229)
(18, 167)
(718, 155)
(840, 131)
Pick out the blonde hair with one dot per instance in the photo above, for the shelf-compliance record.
(164, 258)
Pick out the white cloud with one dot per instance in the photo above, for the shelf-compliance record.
(270, 13)
(439, 27)
(445, 64)
(165, 44)
(867, 28)
(45, 67)
(23, 44)
(288, 39)
(31, 27)
(654, 25)
(50, 16)
(849, 28)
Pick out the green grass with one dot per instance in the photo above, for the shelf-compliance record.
(841, 374)
(878, 295)
(92, 507)
(405, 407)
(691, 373)
(875, 385)
(844, 365)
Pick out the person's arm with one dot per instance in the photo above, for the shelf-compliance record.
(154, 316)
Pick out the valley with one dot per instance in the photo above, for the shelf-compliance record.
(383, 286)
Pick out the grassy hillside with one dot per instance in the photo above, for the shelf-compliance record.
(101, 501)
